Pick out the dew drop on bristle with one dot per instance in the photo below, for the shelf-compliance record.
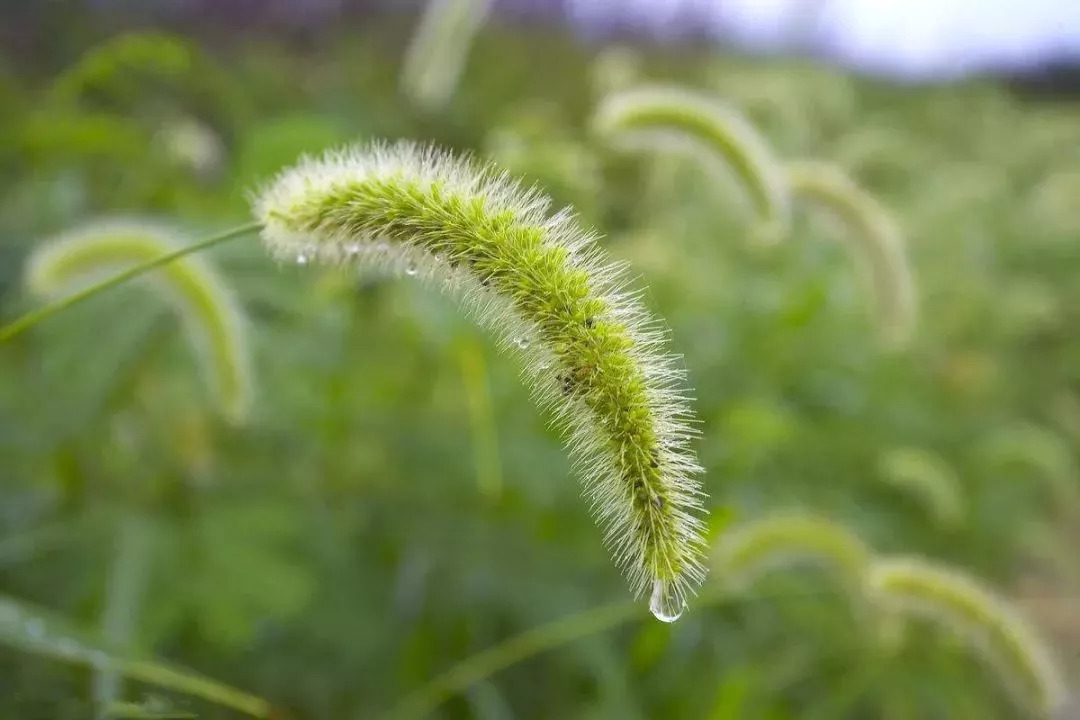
(301, 259)
(664, 603)
(410, 270)
(353, 249)
(522, 342)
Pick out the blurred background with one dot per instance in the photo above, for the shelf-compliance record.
(393, 503)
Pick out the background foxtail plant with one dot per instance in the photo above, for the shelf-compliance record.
(657, 118)
(874, 238)
(996, 631)
(439, 49)
(752, 549)
(1028, 450)
(592, 355)
(210, 312)
(928, 479)
(118, 74)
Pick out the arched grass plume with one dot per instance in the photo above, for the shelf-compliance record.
(874, 238)
(928, 479)
(592, 355)
(121, 71)
(997, 633)
(439, 48)
(106, 68)
(750, 550)
(211, 314)
(1031, 449)
(658, 117)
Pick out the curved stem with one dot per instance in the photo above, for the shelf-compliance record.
(39, 632)
(520, 647)
(35, 316)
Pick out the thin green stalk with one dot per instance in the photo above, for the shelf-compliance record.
(124, 593)
(42, 633)
(35, 316)
(532, 642)
(520, 647)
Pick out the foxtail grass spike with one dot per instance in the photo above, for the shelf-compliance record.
(748, 551)
(997, 633)
(38, 632)
(874, 238)
(72, 262)
(439, 48)
(123, 598)
(658, 117)
(1027, 446)
(593, 356)
(928, 479)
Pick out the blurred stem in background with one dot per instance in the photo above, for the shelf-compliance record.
(124, 591)
(485, 439)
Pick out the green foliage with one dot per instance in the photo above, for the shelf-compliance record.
(340, 556)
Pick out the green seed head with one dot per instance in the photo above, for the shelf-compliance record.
(210, 311)
(996, 631)
(753, 549)
(664, 118)
(592, 355)
(874, 238)
(928, 478)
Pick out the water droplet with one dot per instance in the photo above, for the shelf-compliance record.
(352, 248)
(411, 270)
(301, 259)
(522, 342)
(35, 628)
(665, 603)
